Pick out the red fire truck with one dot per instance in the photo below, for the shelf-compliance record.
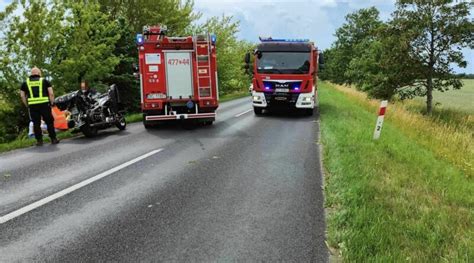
(178, 77)
(284, 75)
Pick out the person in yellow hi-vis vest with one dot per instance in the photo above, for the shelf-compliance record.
(37, 94)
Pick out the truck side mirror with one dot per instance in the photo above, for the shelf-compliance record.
(135, 67)
(247, 58)
(321, 59)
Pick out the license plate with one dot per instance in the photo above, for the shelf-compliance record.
(282, 90)
(280, 98)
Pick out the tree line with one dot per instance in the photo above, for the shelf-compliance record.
(409, 55)
(94, 40)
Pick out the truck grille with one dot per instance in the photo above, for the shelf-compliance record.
(276, 99)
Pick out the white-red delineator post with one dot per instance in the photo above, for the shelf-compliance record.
(378, 125)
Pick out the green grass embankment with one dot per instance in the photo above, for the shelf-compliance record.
(408, 196)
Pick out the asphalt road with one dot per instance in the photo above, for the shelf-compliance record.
(245, 189)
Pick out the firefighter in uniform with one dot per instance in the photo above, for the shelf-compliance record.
(37, 94)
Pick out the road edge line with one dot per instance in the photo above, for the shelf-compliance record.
(57, 195)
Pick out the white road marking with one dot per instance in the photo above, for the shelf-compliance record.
(242, 113)
(73, 188)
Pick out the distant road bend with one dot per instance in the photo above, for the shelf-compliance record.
(247, 188)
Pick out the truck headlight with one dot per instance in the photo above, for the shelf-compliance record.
(307, 99)
(257, 98)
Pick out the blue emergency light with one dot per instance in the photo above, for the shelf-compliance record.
(213, 39)
(269, 39)
(139, 39)
(296, 86)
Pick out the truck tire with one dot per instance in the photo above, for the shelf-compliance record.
(258, 111)
(147, 124)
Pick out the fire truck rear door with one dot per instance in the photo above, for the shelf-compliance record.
(179, 74)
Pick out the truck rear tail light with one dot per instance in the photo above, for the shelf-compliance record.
(204, 92)
(151, 105)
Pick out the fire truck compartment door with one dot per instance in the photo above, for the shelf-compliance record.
(179, 78)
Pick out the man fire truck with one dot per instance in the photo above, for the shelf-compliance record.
(284, 75)
(178, 77)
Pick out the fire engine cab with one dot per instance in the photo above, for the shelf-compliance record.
(284, 75)
(178, 76)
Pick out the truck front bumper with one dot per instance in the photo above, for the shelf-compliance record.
(299, 101)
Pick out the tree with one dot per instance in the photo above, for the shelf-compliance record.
(358, 29)
(230, 53)
(131, 16)
(177, 15)
(68, 40)
(27, 40)
(437, 30)
(86, 48)
(383, 66)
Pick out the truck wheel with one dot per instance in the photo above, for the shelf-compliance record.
(147, 125)
(258, 111)
(89, 131)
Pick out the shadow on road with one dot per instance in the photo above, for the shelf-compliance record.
(81, 139)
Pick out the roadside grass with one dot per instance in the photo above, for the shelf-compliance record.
(461, 100)
(233, 96)
(134, 117)
(444, 115)
(23, 141)
(403, 197)
(454, 107)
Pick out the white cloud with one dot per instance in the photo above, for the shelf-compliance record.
(291, 19)
(313, 19)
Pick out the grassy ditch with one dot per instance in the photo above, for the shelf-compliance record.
(406, 197)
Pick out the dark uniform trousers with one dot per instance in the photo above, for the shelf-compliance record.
(38, 111)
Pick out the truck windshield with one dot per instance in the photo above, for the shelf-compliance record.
(284, 62)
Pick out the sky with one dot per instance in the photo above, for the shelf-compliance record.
(313, 19)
